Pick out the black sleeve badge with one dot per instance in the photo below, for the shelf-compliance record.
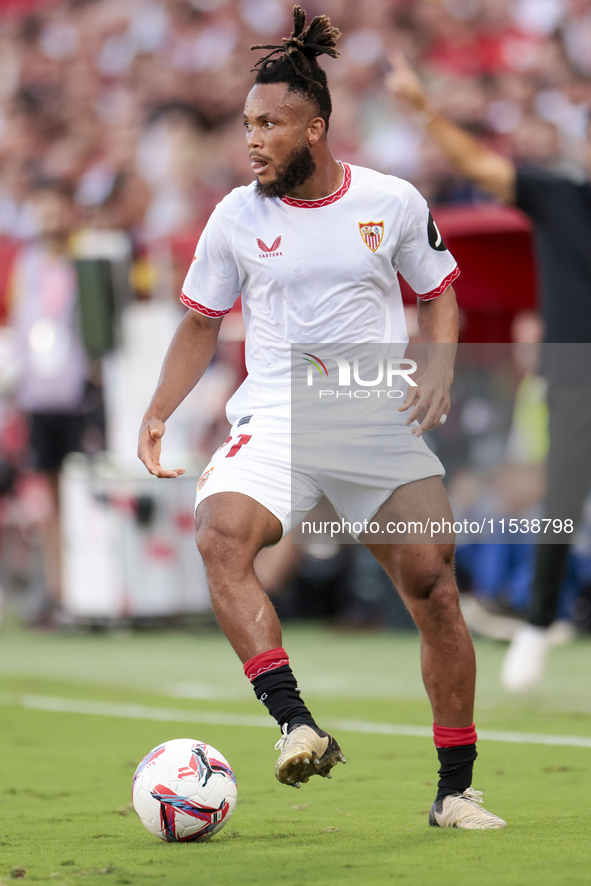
(435, 238)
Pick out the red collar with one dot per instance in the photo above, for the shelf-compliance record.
(324, 201)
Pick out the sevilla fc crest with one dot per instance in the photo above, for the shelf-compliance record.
(203, 479)
(372, 233)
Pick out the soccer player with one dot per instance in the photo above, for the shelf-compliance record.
(292, 244)
(560, 209)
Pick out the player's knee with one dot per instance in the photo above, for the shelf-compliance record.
(444, 599)
(431, 591)
(438, 610)
(426, 571)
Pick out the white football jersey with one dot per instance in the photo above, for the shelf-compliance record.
(315, 271)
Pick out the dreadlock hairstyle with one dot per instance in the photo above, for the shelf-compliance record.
(296, 63)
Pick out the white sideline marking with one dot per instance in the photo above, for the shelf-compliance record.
(218, 718)
(576, 741)
(139, 712)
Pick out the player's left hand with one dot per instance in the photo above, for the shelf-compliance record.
(431, 394)
(149, 448)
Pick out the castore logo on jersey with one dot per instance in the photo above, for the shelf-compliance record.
(269, 251)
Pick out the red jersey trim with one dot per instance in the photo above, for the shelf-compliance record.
(324, 201)
(442, 286)
(201, 309)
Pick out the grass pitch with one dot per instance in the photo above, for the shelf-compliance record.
(78, 713)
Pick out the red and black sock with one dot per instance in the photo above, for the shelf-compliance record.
(276, 687)
(456, 749)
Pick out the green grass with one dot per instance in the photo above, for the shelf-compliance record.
(65, 778)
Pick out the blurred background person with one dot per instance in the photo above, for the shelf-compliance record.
(560, 208)
(52, 387)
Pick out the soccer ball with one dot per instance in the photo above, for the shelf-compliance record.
(184, 790)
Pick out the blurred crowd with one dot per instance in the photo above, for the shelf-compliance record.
(138, 104)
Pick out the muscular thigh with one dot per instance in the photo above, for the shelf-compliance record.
(254, 463)
(233, 526)
(416, 568)
(417, 513)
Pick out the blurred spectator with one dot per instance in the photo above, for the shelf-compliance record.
(51, 366)
(154, 89)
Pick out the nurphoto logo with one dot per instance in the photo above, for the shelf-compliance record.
(384, 371)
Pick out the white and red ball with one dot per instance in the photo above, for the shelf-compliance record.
(184, 790)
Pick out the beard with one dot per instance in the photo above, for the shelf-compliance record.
(297, 169)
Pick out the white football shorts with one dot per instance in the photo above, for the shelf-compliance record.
(357, 476)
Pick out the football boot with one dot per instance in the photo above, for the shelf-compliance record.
(463, 811)
(305, 752)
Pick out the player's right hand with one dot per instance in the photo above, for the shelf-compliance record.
(403, 83)
(149, 446)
